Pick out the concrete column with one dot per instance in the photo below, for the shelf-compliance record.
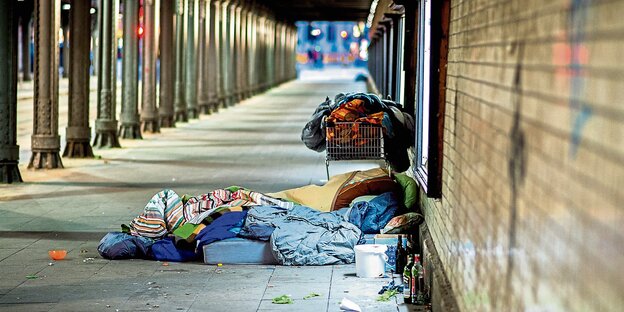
(66, 43)
(244, 74)
(226, 55)
(78, 132)
(249, 57)
(149, 111)
(271, 55)
(262, 62)
(9, 150)
(106, 122)
(26, 47)
(179, 98)
(240, 52)
(46, 143)
(293, 53)
(213, 55)
(167, 64)
(130, 64)
(190, 61)
(202, 68)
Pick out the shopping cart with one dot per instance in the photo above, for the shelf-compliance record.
(353, 141)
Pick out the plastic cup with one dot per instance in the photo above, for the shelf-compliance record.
(57, 254)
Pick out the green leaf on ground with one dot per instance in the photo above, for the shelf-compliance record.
(283, 299)
(387, 295)
(32, 276)
(311, 295)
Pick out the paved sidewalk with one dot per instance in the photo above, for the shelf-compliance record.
(255, 144)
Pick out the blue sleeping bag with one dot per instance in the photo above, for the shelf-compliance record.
(373, 215)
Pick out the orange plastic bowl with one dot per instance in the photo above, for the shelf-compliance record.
(57, 254)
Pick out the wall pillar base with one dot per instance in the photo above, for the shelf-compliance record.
(78, 149)
(106, 139)
(181, 117)
(192, 113)
(9, 172)
(131, 130)
(45, 159)
(167, 122)
(150, 126)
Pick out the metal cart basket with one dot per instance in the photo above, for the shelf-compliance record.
(353, 141)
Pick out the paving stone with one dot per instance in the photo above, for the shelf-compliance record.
(298, 305)
(251, 144)
(27, 307)
(297, 290)
(202, 305)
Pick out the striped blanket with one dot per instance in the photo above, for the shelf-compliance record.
(166, 211)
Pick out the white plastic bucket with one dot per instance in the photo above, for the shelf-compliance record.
(370, 260)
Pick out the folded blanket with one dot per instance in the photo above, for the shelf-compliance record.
(304, 236)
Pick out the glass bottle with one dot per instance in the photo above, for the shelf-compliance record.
(407, 280)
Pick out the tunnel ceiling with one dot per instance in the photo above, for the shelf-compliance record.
(320, 10)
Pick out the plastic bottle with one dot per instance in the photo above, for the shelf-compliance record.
(417, 282)
(407, 280)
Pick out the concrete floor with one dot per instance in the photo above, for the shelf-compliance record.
(254, 144)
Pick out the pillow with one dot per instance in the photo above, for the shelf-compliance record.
(404, 223)
(369, 182)
(410, 190)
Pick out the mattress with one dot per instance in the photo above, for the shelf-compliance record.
(246, 251)
(239, 251)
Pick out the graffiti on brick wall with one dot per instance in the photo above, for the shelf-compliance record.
(581, 110)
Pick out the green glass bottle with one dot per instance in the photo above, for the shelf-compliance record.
(407, 280)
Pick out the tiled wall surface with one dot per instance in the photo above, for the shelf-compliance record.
(532, 217)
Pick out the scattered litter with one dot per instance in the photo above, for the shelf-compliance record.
(311, 295)
(218, 271)
(269, 285)
(151, 283)
(348, 305)
(173, 179)
(387, 295)
(98, 157)
(219, 264)
(108, 305)
(386, 287)
(165, 264)
(156, 306)
(51, 264)
(32, 276)
(88, 260)
(391, 286)
(58, 254)
(84, 250)
(283, 299)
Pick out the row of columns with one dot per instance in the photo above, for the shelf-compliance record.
(384, 56)
(212, 55)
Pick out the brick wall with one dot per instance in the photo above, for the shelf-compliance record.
(531, 217)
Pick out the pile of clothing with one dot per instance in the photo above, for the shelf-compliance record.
(301, 230)
(363, 108)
